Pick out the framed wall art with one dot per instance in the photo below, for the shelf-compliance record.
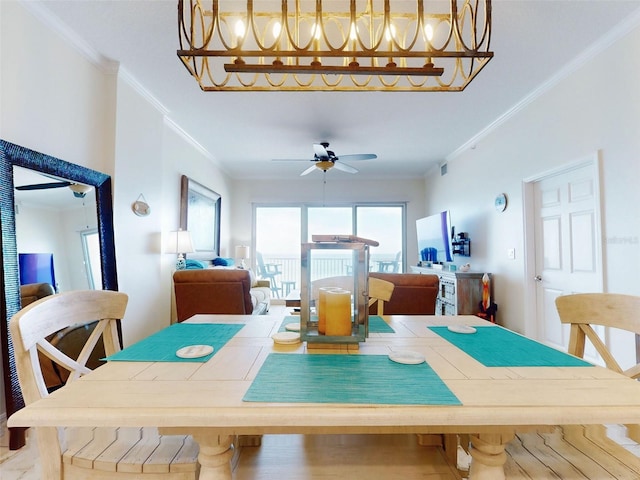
(200, 210)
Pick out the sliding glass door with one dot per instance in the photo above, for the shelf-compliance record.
(280, 229)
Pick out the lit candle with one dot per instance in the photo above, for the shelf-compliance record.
(338, 313)
(321, 308)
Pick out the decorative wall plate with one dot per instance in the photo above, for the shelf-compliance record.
(140, 207)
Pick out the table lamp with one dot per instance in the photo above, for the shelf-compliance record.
(180, 243)
(242, 253)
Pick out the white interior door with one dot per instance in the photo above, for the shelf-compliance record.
(568, 250)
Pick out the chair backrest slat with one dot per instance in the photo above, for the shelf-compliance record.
(584, 310)
(31, 325)
(380, 291)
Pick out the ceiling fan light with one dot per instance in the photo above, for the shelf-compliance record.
(324, 165)
(79, 189)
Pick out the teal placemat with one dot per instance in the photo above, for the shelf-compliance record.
(287, 321)
(376, 324)
(366, 379)
(162, 346)
(499, 347)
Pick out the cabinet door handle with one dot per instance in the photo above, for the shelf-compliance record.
(537, 278)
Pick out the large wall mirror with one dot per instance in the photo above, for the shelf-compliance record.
(93, 190)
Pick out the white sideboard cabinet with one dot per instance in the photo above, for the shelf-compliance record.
(460, 293)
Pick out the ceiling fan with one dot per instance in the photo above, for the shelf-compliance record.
(79, 190)
(324, 159)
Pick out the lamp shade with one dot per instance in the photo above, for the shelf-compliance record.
(180, 242)
(242, 251)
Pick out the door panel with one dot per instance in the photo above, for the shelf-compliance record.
(567, 249)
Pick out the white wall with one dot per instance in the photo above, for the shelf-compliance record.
(337, 189)
(595, 109)
(47, 230)
(65, 105)
(151, 155)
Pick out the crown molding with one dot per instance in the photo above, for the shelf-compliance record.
(108, 66)
(45, 16)
(104, 64)
(133, 82)
(610, 38)
(194, 143)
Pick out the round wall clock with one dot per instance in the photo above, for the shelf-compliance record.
(500, 202)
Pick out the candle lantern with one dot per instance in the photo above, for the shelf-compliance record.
(334, 290)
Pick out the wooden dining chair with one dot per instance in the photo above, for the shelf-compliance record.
(582, 311)
(380, 291)
(90, 453)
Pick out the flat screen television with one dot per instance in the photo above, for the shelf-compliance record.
(435, 235)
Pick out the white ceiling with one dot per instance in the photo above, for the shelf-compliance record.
(534, 42)
(59, 198)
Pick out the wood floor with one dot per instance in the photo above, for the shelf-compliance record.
(567, 454)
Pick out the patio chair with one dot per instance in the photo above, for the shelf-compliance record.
(90, 453)
(269, 271)
(390, 266)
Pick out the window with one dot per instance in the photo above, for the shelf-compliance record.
(91, 252)
(279, 231)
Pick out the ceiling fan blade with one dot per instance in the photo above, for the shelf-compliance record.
(43, 186)
(308, 170)
(320, 151)
(344, 167)
(291, 160)
(358, 156)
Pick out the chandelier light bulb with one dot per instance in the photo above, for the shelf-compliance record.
(354, 32)
(428, 31)
(277, 28)
(239, 29)
(315, 31)
(390, 32)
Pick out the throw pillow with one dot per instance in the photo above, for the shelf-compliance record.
(194, 264)
(220, 262)
(254, 280)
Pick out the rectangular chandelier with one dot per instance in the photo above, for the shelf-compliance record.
(334, 45)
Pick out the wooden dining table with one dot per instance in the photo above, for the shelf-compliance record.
(209, 399)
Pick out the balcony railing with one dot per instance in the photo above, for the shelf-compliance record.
(289, 279)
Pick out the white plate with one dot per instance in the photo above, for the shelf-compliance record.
(286, 337)
(406, 357)
(194, 351)
(293, 327)
(461, 329)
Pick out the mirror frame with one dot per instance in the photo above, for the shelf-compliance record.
(14, 155)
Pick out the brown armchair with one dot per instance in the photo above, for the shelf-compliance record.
(214, 290)
(31, 292)
(413, 293)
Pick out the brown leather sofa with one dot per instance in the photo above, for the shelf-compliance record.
(413, 293)
(214, 290)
